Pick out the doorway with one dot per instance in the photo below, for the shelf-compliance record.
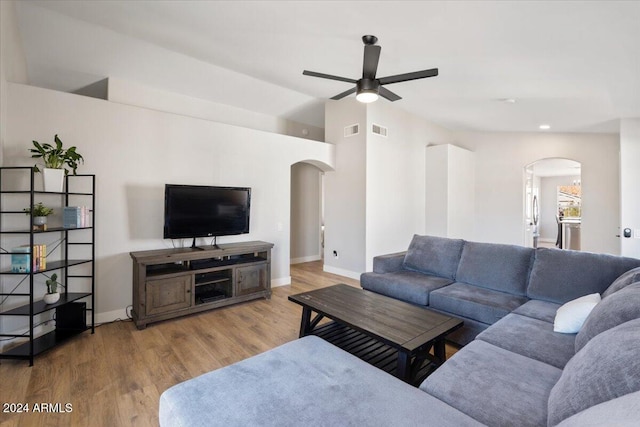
(553, 203)
(307, 219)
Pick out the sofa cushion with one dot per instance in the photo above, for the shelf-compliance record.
(404, 285)
(494, 386)
(606, 368)
(467, 333)
(304, 382)
(614, 310)
(434, 255)
(503, 268)
(620, 412)
(571, 315)
(483, 305)
(562, 275)
(537, 309)
(624, 280)
(532, 338)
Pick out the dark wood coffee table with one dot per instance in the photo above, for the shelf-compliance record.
(393, 335)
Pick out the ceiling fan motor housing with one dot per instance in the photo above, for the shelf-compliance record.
(367, 85)
(369, 40)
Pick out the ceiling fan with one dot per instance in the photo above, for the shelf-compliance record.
(369, 87)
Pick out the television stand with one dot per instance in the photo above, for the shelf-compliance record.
(169, 283)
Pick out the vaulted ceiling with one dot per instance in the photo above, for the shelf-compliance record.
(504, 65)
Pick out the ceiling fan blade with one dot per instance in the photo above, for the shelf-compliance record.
(387, 94)
(345, 93)
(409, 76)
(370, 63)
(328, 76)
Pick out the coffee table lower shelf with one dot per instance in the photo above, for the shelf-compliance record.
(372, 351)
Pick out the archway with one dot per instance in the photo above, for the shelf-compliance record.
(553, 203)
(307, 208)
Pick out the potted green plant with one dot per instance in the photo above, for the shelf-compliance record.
(52, 295)
(40, 213)
(56, 161)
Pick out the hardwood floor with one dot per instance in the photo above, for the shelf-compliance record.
(115, 377)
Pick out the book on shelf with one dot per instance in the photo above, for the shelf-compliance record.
(75, 217)
(27, 260)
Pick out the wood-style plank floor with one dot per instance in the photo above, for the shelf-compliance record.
(115, 377)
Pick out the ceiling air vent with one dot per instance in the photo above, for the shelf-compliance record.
(351, 130)
(379, 130)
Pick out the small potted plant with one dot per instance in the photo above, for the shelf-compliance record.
(52, 295)
(40, 214)
(56, 161)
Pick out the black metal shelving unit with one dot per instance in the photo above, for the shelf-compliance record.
(71, 310)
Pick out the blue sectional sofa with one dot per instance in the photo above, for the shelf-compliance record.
(483, 282)
(513, 370)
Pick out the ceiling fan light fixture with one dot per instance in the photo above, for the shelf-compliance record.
(367, 96)
(367, 90)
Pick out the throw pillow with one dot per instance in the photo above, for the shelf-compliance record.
(614, 310)
(571, 316)
(606, 368)
(624, 280)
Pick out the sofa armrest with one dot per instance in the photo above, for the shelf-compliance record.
(388, 263)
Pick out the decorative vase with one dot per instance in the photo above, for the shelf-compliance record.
(53, 180)
(51, 298)
(39, 220)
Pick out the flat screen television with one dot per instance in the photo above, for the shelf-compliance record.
(192, 211)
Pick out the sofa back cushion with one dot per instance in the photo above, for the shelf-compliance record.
(612, 311)
(503, 268)
(606, 368)
(624, 280)
(434, 255)
(620, 412)
(563, 275)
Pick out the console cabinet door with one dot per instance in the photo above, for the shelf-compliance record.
(165, 295)
(251, 279)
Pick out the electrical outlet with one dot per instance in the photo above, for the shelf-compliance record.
(636, 233)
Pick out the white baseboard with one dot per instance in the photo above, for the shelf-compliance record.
(282, 281)
(110, 316)
(305, 259)
(341, 272)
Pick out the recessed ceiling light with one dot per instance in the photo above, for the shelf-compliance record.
(544, 127)
(509, 100)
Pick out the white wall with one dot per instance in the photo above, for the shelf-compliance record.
(396, 178)
(345, 190)
(135, 151)
(500, 161)
(130, 93)
(450, 192)
(13, 65)
(629, 182)
(375, 200)
(305, 213)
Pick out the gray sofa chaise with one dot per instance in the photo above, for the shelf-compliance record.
(516, 372)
